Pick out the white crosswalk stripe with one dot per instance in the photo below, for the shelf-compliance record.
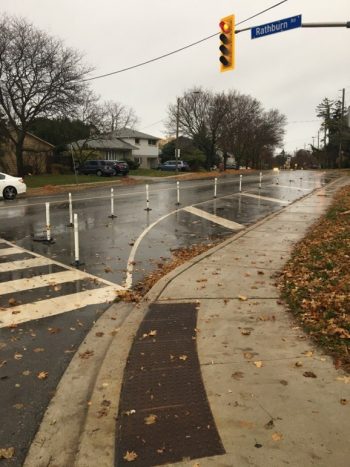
(13, 312)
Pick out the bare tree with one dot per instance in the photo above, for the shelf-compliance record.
(103, 119)
(118, 116)
(39, 77)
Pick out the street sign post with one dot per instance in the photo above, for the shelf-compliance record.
(277, 26)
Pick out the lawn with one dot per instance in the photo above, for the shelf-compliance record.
(36, 181)
(316, 281)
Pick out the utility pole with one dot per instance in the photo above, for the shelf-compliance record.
(340, 154)
(177, 134)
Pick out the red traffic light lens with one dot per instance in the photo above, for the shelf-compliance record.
(225, 27)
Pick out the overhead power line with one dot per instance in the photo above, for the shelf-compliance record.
(160, 57)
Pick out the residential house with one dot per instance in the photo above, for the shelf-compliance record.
(37, 155)
(147, 147)
(104, 147)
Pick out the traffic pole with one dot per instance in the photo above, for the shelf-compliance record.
(70, 210)
(260, 178)
(147, 199)
(215, 186)
(240, 183)
(112, 216)
(77, 262)
(178, 193)
(48, 226)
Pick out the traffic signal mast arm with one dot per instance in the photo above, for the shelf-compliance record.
(309, 25)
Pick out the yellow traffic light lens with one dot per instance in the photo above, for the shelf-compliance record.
(225, 27)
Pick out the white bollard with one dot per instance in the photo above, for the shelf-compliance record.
(112, 216)
(147, 199)
(260, 178)
(240, 183)
(48, 226)
(70, 210)
(178, 192)
(215, 186)
(76, 241)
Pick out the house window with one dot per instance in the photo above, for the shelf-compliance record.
(137, 140)
(151, 142)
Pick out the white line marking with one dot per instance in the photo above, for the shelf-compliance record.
(55, 306)
(43, 281)
(24, 264)
(46, 261)
(292, 187)
(213, 218)
(275, 200)
(10, 251)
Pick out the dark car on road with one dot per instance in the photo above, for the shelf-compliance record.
(103, 167)
(120, 167)
(171, 165)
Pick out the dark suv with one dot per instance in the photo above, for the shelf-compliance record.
(97, 167)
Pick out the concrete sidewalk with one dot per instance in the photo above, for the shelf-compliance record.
(254, 361)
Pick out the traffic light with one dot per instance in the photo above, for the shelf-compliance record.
(227, 43)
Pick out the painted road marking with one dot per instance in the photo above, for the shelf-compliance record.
(213, 218)
(292, 187)
(10, 251)
(12, 315)
(25, 263)
(266, 198)
(42, 281)
(54, 306)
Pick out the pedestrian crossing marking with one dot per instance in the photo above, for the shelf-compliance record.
(104, 293)
(44, 308)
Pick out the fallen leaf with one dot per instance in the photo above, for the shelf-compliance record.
(99, 334)
(2, 363)
(87, 354)
(18, 406)
(277, 436)
(42, 375)
(18, 356)
(344, 401)
(248, 355)
(12, 302)
(7, 453)
(308, 353)
(150, 419)
(130, 456)
(309, 374)
(245, 332)
(269, 425)
(183, 357)
(26, 373)
(344, 379)
(298, 364)
(243, 298)
(246, 424)
(258, 364)
(38, 349)
(237, 375)
(284, 382)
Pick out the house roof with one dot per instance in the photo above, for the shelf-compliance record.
(105, 143)
(129, 133)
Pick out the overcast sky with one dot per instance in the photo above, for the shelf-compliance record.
(291, 71)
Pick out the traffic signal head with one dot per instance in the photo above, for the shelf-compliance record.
(227, 37)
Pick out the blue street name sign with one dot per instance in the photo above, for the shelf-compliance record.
(277, 26)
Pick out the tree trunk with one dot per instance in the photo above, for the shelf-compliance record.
(19, 155)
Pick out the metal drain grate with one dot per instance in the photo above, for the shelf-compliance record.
(162, 379)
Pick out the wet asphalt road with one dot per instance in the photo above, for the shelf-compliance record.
(105, 243)
(48, 344)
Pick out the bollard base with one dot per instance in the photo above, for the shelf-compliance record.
(177, 204)
(77, 264)
(148, 209)
(70, 224)
(43, 240)
(112, 216)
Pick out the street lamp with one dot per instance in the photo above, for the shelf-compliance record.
(177, 150)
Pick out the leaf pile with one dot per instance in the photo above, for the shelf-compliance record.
(316, 281)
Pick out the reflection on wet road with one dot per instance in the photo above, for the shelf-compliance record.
(105, 243)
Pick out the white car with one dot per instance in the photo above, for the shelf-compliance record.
(10, 186)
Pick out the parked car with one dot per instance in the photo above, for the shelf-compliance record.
(97, 167)
(171, 165)
(120, 167)
(10, 186)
